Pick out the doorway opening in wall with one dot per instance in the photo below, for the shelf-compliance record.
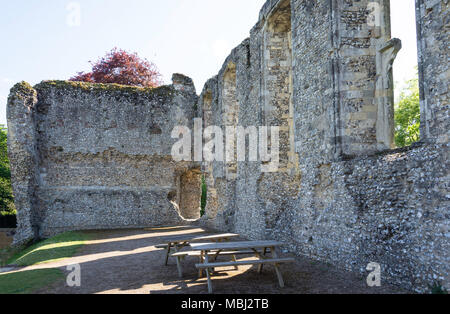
(406, 77)
(190, 194)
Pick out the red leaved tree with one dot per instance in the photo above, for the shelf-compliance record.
(122, 67)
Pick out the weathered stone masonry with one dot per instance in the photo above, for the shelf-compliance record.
(323, 73)
(91, 156)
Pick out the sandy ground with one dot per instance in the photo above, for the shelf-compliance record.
(127, 261)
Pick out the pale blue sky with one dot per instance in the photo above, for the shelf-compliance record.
(192, 37)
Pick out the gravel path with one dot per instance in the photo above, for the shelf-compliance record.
(127, 261)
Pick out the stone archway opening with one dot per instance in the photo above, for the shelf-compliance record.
(406, 83)
(190, 194)
(231, 114)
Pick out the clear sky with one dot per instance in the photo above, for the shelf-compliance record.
(41, 39)
(403, 24)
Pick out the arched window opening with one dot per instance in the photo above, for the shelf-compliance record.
(278, 86)
(406, 78)
(231, 115)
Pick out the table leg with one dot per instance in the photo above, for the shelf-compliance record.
(260, 267)
(233, 257)
(208, 275)
(200, 271)
(217, 255)
(180, 269)
(168, 252)
(277, 269)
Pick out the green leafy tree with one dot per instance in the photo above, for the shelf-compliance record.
(122, 67)
(204, 197)
(407, 115)
(6, 195)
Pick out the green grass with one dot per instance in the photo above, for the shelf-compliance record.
(57, 248)
(11, 213)
(437, 288)
(7, 253)
(28, 281)
(54, 249)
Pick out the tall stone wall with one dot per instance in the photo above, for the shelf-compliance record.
(433, 36)
(92, 156)
(322, 71)
(23, 156)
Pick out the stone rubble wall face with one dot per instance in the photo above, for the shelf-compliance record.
(102, 158)
(348, 199)
(433, 22)
(84, 159)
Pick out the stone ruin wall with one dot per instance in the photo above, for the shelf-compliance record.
(90, 157)
(343, 194)
(97, 157)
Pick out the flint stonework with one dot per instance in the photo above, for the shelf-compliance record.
(91, 156)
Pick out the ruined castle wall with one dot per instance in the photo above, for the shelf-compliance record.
(391, 209)
(104, 155)
(343, 88)
(315, 72)
(433, 23)
(344, 196)
(228, 90)
(87, 156)
(23, 156)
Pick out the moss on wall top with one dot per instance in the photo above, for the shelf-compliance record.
(21, 91)
(163, 91)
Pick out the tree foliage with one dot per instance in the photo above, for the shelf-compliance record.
(407, 115)
(6, 195)
(121, 67)
(204, 197)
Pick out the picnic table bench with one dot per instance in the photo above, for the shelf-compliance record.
(214, 249)
(178, 242)
(214, 254)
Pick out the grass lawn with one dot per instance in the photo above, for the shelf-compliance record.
(28, 281)
(62, 246)
(57, 248)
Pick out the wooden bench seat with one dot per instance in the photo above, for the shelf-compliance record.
(207, 266)
(181, 241)
(214, 254)
(249, 262)
(258, 248)
(198, 253)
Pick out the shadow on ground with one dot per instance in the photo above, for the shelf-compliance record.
(127, 261)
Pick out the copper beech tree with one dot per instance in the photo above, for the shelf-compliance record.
(122, 67)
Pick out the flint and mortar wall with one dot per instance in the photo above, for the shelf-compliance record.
(23, 156)
(85, 156)
(92, 156)
(433, 36)
(344, 195)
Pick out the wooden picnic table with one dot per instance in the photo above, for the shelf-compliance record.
(178, 242)
(207, 249)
